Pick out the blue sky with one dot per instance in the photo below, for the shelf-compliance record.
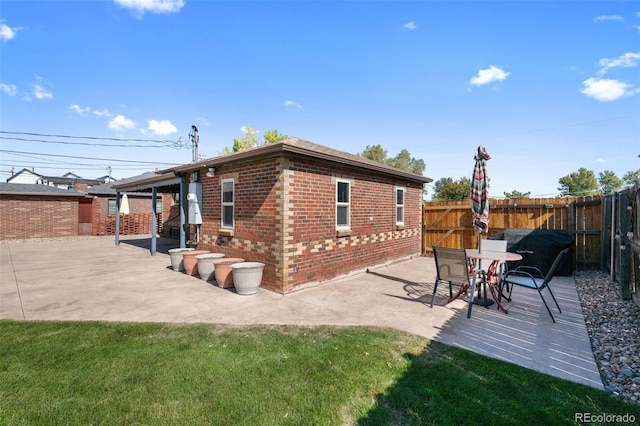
(547, 87)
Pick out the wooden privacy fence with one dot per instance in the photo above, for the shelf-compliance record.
(448, 223)
(621, 240)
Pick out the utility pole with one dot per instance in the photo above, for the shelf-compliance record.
(194, 142)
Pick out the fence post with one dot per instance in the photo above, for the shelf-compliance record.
(624, 246)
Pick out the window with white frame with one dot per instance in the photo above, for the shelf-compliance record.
(111, 203)
(227, 203)
(399, 206)
(343, 206)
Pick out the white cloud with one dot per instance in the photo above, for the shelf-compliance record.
(41, 93)
(140, 7)
(627, 60)
(604, 18)
(600, 160)
(80, 110)
(120, 122)
(8, 33)
(291, 104)
(606, 90)
(410, 25)
(162, 127)
(9, 89)
(489, 75)
(102, 113)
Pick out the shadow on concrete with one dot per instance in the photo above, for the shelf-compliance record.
(415, 290)
(163, 244)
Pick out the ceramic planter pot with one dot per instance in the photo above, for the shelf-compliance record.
(175, 254)
(190, 262)
(205, 265)
(222, 270)
(247, 277)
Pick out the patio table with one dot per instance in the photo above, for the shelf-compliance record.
(489, 276)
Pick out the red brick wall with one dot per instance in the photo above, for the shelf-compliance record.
(38, 217)
(318, 254)
(137, 222)
(256, 224)
(285, 218)
(136, 204)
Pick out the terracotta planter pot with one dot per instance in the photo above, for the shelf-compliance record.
(247, 277)
(205, 265)
(190, 262)
(222, 270)
(175, 255)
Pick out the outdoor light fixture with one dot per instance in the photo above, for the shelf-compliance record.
(211, 172)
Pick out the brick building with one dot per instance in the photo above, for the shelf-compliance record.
(309, 212)
(38, 211)
(29, 210)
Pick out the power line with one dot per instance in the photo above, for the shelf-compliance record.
(90, 144)
(89, 158)
(88, 137)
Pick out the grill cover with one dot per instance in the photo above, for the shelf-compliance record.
(538, 248)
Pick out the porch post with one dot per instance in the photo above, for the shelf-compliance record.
(154, 220)
(117, 218)
(183, 210)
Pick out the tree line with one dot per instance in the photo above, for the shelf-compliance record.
(580, 183)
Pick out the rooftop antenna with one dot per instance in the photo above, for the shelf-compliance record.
(194, 142)
(109, 171)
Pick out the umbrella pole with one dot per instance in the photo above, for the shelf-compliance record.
(480, 242)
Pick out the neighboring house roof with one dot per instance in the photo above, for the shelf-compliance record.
(71, 175)
(106, 178)
(300, 147)
(31, 189)
(68, 178)
(24, 171)
(62, 180)
(109, 187)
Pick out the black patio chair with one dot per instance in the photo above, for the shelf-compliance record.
(452, 267)
(532, 277)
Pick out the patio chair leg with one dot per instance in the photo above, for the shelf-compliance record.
(554, 299)
(433, 296)
(546, 306)
(471, 293)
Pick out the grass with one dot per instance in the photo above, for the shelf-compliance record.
(94, 373)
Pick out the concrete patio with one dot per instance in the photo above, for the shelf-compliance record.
(92, 279)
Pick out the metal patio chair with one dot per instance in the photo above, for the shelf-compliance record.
(532, 277)
(452, 267)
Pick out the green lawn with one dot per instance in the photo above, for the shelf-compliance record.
(86, 373)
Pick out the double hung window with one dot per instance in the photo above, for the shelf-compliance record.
(343, 205)
(399, 206)
(227, 203)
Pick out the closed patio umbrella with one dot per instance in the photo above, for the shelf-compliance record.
(480, 194)
(124, 204)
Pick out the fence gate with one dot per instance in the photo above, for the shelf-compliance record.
(589, 228)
